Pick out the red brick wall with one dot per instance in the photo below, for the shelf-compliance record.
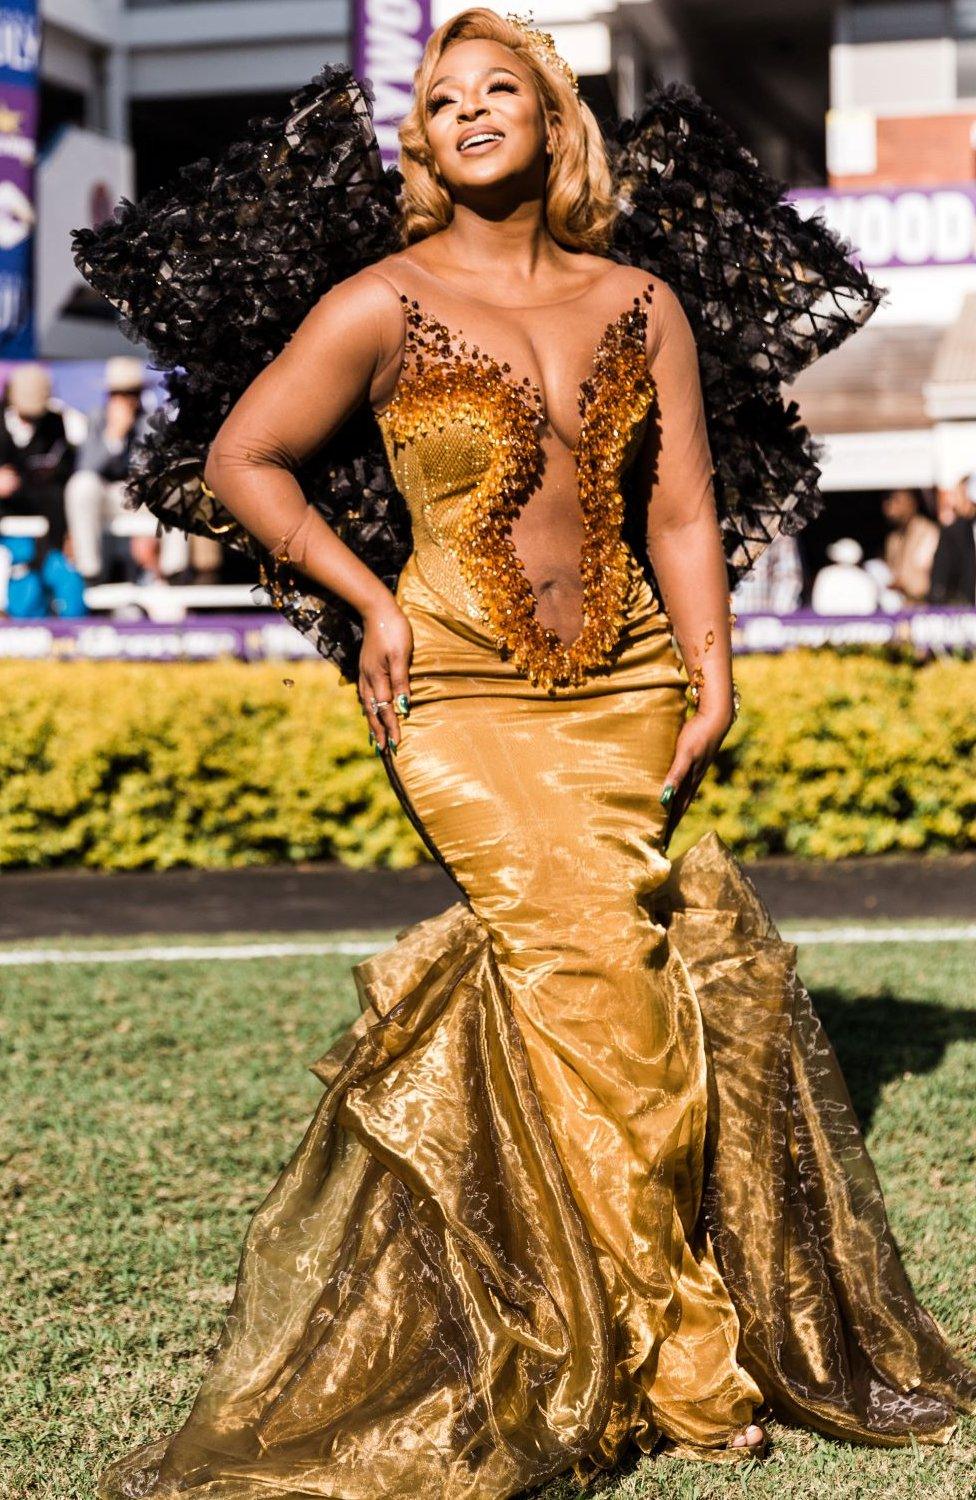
(919, 151)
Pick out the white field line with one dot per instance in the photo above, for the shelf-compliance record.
(949, 933)
(180, 953)
(186, 952)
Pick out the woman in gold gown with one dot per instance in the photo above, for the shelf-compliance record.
(585, 1172)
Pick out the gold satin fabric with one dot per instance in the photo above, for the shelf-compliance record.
(585, 1171)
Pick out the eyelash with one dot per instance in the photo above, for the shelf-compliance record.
(433, 105)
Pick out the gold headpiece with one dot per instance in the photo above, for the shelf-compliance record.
(544, 47)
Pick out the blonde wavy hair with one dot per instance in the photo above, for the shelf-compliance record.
(580, 207)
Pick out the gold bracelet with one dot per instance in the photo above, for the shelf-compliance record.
(696, 684)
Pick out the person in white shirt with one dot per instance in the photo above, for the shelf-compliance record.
(94, 495)
(843, 587)
(36, 455)
(910, 544)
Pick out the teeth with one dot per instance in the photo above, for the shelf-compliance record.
(476, 140)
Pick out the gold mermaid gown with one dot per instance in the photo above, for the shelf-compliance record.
(585, 1171)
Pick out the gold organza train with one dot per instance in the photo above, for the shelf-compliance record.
(571, 1185)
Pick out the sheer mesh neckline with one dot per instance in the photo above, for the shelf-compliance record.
(442, 380)
(451, 340)
(510, 306)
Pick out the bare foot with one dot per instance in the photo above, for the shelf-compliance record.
(752, 1436)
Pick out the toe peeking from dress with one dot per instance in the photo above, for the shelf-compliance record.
(753, 1447)
(729, 1453)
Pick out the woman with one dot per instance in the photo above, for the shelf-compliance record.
(585, 1173)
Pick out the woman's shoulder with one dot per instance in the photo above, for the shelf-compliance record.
(375, 288)
(637, 280)
(621, 280)
(365, 304)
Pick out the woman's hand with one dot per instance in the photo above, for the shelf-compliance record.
(384, 664)
(697, 746)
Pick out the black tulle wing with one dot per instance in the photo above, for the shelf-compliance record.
(213, 272)
(765, 290)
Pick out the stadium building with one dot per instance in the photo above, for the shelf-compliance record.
(131, 91)
(897, 404)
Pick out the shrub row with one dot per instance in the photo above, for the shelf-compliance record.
(123, 766)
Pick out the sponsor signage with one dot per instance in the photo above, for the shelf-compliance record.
(20, 41)
(926, 630)
(264, 636)
(900, 227)
(388, 39)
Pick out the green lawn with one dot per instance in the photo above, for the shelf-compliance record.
(146, 1108)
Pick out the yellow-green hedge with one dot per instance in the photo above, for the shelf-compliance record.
(838, 754)
(131, 766)
(126, 766)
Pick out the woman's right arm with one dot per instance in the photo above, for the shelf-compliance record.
(346, 347)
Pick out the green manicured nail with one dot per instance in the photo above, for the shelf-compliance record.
(393, 746)
(372, 738)
(402, 703)
(667, 795)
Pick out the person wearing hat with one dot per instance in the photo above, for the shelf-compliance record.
(844, 587)
(36, 457)
(95, 493)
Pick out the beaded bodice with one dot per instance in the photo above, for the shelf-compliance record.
(464, 438)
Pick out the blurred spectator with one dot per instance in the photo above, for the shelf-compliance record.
(36, 458)
(774, 583)
(95, 493)
(910, 544)
(954, 565)
(844, 588)
(945, 506)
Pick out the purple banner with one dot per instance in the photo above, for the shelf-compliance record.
(249, 637)
(900, 226)
(20, 41)
(388, 39)
(265, 636)
(931, 629)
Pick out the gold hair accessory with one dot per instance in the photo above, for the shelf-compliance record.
(544, 47)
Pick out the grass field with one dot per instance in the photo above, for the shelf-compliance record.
(147, 1107)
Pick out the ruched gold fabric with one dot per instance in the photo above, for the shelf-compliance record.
(585, 1173)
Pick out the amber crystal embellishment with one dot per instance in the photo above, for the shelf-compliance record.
(448, 378)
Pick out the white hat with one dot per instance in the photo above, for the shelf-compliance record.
(29, 390)
(845, 551)
(124, 373)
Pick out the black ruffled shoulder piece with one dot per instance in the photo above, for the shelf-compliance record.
(765, 290)
(213, 272)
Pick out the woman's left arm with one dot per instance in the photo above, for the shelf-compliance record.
(684, 544)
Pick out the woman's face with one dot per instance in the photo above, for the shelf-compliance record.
(485, 121)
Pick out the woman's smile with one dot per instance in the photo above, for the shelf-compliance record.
(480, 140)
